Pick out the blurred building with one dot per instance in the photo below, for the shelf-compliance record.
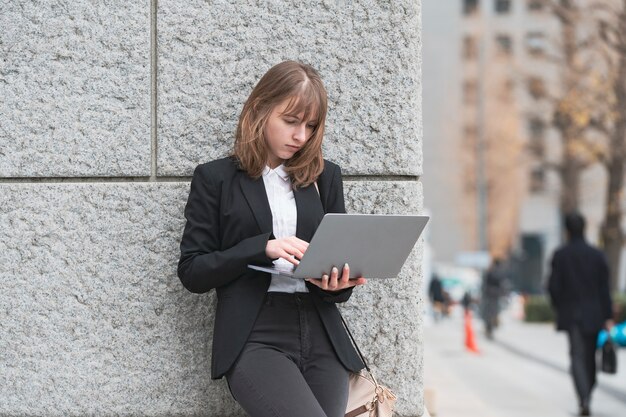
(488, 139)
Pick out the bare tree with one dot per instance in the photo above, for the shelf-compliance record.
(593, 97)
(571, 110)
(612, 30)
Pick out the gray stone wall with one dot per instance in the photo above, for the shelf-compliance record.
(106, 109)
(75, 88)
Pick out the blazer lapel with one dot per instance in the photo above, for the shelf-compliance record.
(254, 192)
(310, 211)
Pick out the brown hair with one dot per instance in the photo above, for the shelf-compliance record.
(302, 85)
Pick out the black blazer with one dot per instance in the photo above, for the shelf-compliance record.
(229, 222)
(579, 286)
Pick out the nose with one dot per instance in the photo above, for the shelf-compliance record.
(300, 132)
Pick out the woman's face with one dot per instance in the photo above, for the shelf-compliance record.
(285, 134)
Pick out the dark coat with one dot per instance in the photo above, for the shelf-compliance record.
(229, 222)
(494, 287)
(579, 286)
(435, 290)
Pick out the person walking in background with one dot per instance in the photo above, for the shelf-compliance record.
(436, 296)
(579, 291)
(467, 301)
(493, 287)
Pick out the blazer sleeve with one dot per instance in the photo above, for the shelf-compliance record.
(334, 204)
(202, 265)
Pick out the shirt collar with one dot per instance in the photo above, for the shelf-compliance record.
(279, 170)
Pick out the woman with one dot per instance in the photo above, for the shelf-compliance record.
(279, 341)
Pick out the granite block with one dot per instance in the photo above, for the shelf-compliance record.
(95, 321)
(368, 52)
(75, 88)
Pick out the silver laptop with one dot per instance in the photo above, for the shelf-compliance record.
(374, 245)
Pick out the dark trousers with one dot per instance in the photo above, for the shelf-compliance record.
(288, 366)
(582, 349)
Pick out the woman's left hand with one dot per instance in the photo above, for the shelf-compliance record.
(334, 283)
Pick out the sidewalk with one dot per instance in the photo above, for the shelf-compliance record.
(524, 372)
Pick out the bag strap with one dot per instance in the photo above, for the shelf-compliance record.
(357, 411)
(345, 325)
(356, 346)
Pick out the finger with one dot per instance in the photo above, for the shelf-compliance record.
(288, 247)
(360, 281)
(345, 276)
(286, 256)
(294, 252)
(333, 278)
(324, 285)
(349, 283)
(354, 282)
(295, 239)
(294, 242)
(300, 244)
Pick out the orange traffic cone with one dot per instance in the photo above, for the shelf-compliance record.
(470, 341)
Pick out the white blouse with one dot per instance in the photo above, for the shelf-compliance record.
(284, 221)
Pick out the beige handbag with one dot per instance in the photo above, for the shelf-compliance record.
(366, 396)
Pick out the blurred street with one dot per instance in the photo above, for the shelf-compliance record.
(523, 372)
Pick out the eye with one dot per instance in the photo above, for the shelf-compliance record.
(311, 126)
(290, 120)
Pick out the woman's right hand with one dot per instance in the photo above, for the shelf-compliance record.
(288, 248)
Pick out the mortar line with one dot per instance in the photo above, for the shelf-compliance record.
(380, 177)
(182, 178)
(153, 91)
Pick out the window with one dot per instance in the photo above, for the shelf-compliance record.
(535, 5)
(470, 92)
(537, 149)
(503, 6)
(536, 88)
(537, 180)
(470, 48)
(505, 45)
(535, 43)
(470, 7)
(536, 129)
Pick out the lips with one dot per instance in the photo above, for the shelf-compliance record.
(293, 148)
